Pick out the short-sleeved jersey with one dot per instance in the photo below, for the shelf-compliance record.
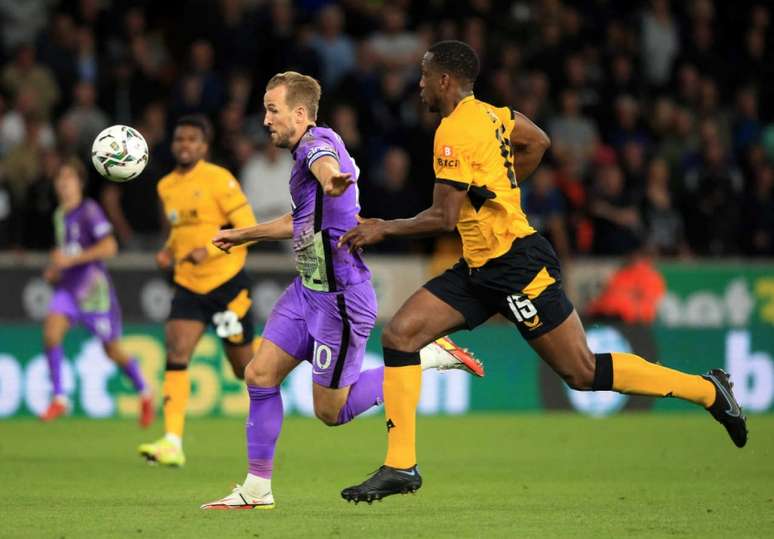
(76, 231)
(472, 151)
(320, 220)
(198, 203)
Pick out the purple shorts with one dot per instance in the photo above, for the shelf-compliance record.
(105, 326)
(328, 329)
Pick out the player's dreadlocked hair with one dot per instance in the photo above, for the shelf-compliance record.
(199, 121)
(457, 58)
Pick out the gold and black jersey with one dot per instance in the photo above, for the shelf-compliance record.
(198, 204)
(472, 151)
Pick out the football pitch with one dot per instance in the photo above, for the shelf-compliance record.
(485, 476)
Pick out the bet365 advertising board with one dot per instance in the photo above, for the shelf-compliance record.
(712, 316)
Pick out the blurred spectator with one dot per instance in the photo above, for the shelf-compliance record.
(234, 35)
(615, 216)
(391, 196)
(757, 230)
(86, 61)
(634, 165)
(265, 178)
(665, 232)
(344, 122)
(87, 119)
(57, 49)
(711, 202)
(13, 123)
(660, 42)
(20, 22)
(6, 215)
(22, 164)
(336, 50)
(679, 141)
(395, 46)
(201, 90)
(544, 204)
(627, 126)
(632, 294)
(37, 232)
(572, 134)
(127, 91)
(287, 46)
(747, 125)
(24, 74)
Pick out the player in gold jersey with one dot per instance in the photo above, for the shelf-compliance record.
(211, 287)
(481, 153)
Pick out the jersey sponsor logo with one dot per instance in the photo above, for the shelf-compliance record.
(448, 163)
(447, 151)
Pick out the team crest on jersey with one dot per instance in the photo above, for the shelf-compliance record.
(173, 216)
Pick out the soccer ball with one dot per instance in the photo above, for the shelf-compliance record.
(119, 153)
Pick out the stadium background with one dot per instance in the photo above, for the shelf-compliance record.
(663, 144)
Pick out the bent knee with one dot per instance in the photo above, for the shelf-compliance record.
(257, 374)
(329, 416)
(399, 334)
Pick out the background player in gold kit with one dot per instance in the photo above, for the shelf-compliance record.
(481, 152)
(211, 287)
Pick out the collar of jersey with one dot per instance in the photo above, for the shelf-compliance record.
(294, 148)
(465, 99)
(190, 172)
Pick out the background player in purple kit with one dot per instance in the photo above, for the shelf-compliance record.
(83, 291)
(327, 313)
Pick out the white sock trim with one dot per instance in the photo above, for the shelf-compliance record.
(174, 439)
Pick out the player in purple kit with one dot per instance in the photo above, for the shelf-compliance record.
(83, 292)
(326, 315)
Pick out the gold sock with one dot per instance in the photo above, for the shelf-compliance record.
(401, 397)
(637, 376)
(177, 388)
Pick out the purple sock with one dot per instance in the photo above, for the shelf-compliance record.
(133, 372)
(363, 394)
(55, 356)
(262, 429)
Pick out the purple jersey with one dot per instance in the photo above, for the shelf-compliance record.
(320, 220)
(76, 231)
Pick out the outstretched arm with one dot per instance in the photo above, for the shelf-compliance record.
(442, 216)
(278, 229)
(334, 182)
(529, 143)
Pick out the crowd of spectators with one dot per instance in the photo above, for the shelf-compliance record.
(659, 112)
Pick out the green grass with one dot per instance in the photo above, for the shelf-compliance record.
(485, 476)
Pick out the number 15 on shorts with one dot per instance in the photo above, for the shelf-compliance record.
(521, 307)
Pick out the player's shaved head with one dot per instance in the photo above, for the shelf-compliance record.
(302, 90)
(456, 58)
